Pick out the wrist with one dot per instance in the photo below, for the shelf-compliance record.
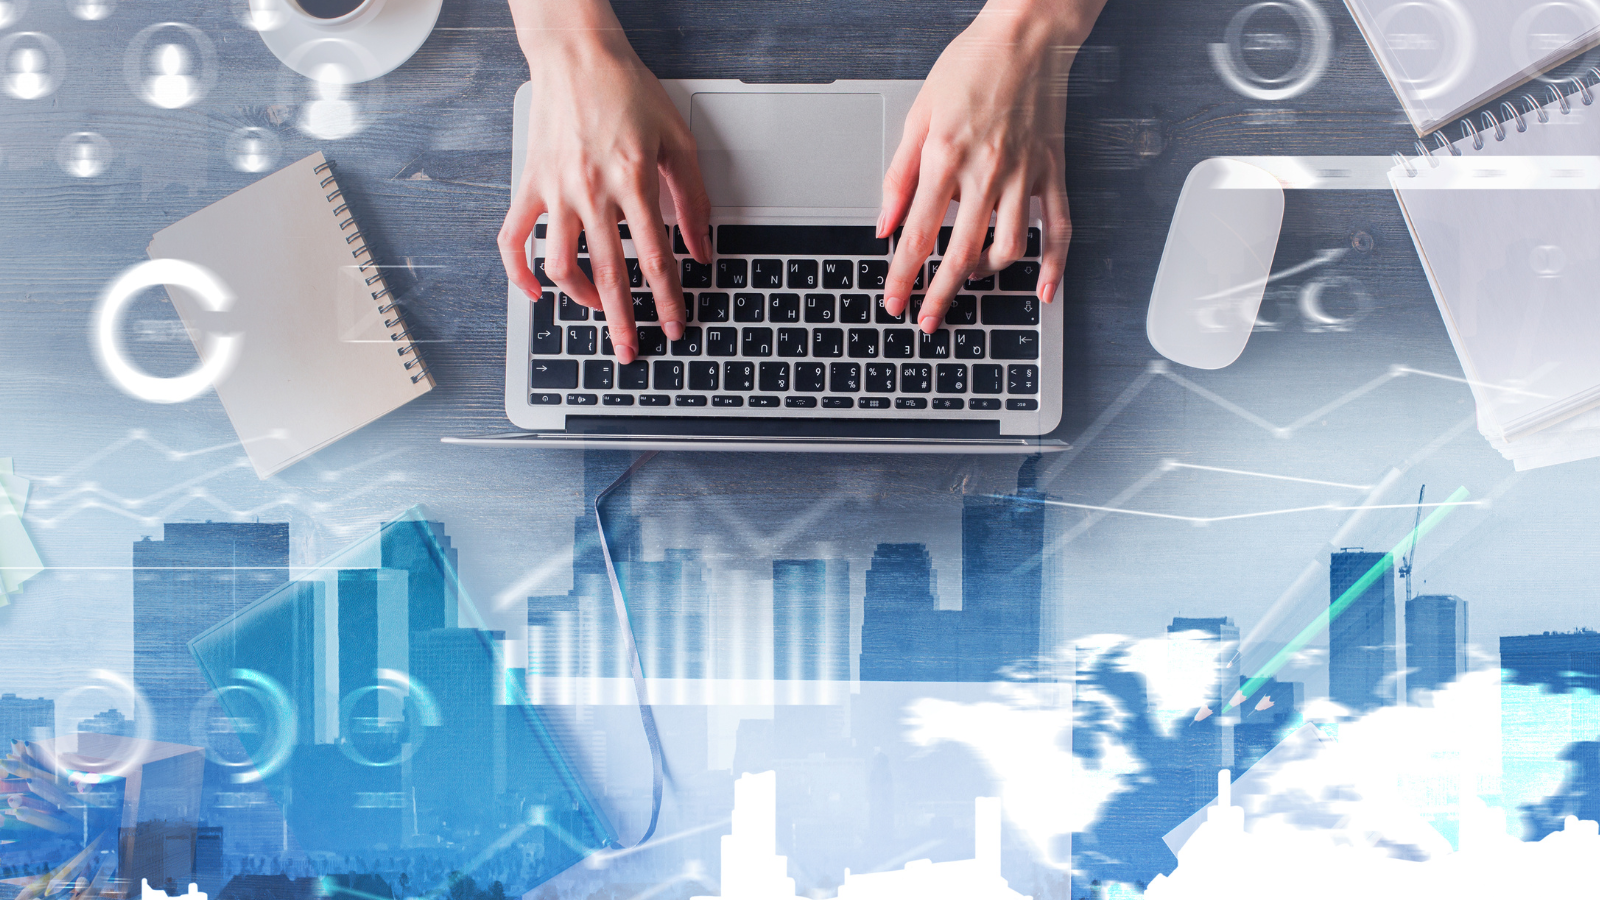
(1039, 26)
(572, 24)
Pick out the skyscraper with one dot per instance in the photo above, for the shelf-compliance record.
(1436, 641)
(1003, 557)
(195, 577)
(811, 619)
(1361, 630)
(904, 634)
(22, 719)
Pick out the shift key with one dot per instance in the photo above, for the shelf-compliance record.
(553, 373)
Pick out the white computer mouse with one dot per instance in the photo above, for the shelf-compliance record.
(1214, 268)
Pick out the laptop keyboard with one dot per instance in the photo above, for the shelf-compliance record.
(792, 317)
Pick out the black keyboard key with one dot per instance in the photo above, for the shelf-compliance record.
(775, 377)
(678, 246)
(739, 376)
(863, 343)
(544, 338)
(690, 400)
(819, 308)
(545, 400)
(644, 307)
(801, 240)
(910, 403)
(764, 402)
(963, 310)
(749, 308)
(553, 373)
(801, 274)
(880, 378)
(694, 275)
(757, 342)
(844, 378)
(634, 376)
(883, 315)
(933, 270)
(874, 403)
(598, 374)
(1019, 404)
(919, 284)
(838, 402)
(635, 274)
(1013, 345)
(726, 400)
(668, 375)
(948, 403)
(766, 274)
(605, 341)
(827, 342)
(1033, 242)
(985, 283)
(733, 273)
(969, 344)
(703, 375)
(934, 346)
(655, 400)
(688, 307)
(1002, 310)
(784, 308)
(1022, 379)
(652, 341)
(691, 344)
(538, 272)
(944, 238)
(572, 310)
(985, 403)
(722, 342)
(898, 343)
(987, 380)
(914, 307)
(916, 378)
(800, 402)
(581, 339)
(951, 378)
(793, 341)
(713, 307)
(855, 309)
(871, 274)
(1020, 276)
(836, 275)
(617, 400)
(582, 399)
(810, 377)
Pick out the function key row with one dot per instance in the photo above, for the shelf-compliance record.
(790, 402)
(780, 377)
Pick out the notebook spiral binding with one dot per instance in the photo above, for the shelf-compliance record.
(375, 279)
(1510, 116)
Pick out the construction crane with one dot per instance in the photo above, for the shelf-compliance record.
(1411, 552)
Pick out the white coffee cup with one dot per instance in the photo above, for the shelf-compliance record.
(327, 13)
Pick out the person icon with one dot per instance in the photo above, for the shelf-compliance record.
(262, 15)
(329, 115)
(253, 156)
(28, 80)
(92, 10)
(172, 87)
(84, 160)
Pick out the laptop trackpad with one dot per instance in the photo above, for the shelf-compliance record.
(783, 149)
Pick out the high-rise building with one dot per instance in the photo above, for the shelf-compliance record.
(904, 634)
(22, 719)
(1436, 641)
(1003, 571)
(1559, 662)
(1361, 630)
(109, 722)
(811, 619)
(1549, 703)
(196, 576)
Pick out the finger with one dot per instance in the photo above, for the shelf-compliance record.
(660, 267)
(526, 208)
(611, 282)
(1010, 229)
(960, 257)
(1057, 233)
(917, 237)
(900, 182)
(680, 169)
(561, 258)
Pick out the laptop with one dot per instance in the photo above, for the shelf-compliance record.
(788, 346)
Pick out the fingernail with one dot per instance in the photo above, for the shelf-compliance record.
(625, 354)
(674, 330)
(1048, 295)
(929, 324)
(881, 217)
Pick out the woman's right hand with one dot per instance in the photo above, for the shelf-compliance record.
(600, 130)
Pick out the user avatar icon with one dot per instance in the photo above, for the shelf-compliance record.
(252, 149)
(171, 87)
(261, 15)
(170, 65)
(83, 154)
(329, 115)
(92, 10)
(29, 79)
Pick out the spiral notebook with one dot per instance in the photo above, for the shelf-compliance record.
(1506, 219)
(323, 348)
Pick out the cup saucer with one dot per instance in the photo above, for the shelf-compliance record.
(356, 51)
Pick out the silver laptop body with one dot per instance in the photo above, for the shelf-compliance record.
(788, 347)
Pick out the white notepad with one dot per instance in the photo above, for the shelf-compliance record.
(1509, 236)
(322, 349)
(1447, 57)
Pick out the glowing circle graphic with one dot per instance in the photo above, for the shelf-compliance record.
(221, 352)
(1316, 48)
